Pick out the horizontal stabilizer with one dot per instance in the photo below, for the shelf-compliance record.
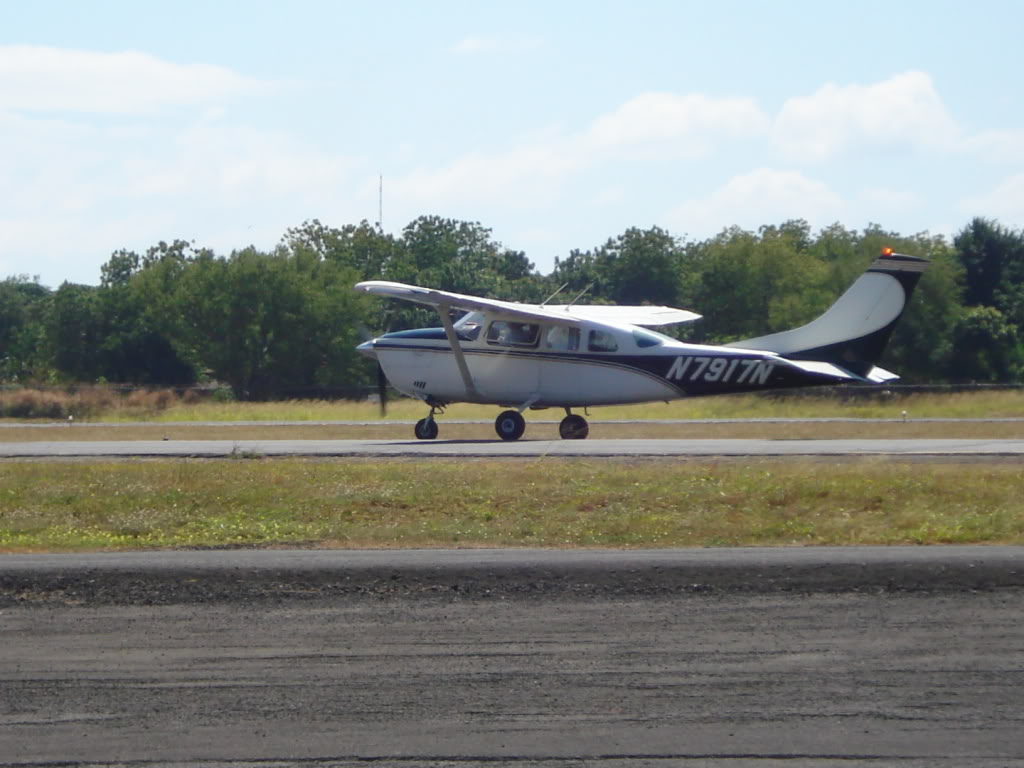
(822, 369)
(880, 375)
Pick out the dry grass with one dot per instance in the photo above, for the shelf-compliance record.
(103, 404)
(554, 503)
(96, 403)
(1002, 403)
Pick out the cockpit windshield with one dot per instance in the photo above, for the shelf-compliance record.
(645, 338)
(468, 326)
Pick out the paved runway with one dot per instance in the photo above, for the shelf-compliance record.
(523, 448)
(540, 659)
(233, 575)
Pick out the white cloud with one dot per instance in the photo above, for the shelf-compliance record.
(524, 176)
(760, 197)
(667, 117)
(904, 110)
(237, 163)
(530, 175)
(71, 193)
(39, 78)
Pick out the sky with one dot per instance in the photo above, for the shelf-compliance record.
(556, 124)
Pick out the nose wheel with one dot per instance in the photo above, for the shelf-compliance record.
(573, 427)
(426, 429)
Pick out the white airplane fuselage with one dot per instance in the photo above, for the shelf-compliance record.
(594, 364)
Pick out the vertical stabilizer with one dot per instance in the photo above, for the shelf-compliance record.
(854, 331)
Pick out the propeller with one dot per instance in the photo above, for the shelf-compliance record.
(382, 380)
(382, 390)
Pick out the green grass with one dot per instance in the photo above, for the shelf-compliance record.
(260, 502)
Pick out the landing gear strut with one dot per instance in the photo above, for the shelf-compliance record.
(573, 427)
(426, 429)
(510, 425)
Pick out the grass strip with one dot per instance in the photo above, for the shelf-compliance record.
(98, 404)
(548, 503)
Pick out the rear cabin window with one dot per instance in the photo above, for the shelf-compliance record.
(513, 334)
(602, 341)
(562, 339)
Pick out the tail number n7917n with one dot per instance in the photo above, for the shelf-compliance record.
(726, 370)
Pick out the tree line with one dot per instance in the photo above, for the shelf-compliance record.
(272, 323)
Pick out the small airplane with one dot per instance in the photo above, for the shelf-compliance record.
(534, 356)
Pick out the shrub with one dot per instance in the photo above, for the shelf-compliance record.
(33, 404)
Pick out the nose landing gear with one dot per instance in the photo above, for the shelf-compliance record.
(426, 429)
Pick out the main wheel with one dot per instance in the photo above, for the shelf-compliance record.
(426, 429)
(574, 427)
(510, 425)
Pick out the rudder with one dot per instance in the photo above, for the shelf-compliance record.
(854, 331)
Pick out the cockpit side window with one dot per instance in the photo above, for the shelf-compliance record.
(513, 334)
(602, 341)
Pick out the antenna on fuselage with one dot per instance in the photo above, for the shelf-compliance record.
(579, 295)
(549, 298)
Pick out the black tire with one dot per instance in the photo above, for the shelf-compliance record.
(426, 429)
(510, 425)
(574, 427)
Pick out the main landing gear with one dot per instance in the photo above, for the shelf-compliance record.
(573, 426)
(509, 425)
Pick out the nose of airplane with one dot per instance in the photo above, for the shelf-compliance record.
(367, 349)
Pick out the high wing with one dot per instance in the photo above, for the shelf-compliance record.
(624, 314)
(561, 314)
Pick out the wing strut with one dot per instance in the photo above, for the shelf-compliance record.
(460, 357)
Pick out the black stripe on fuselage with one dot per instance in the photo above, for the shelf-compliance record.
(693, 381)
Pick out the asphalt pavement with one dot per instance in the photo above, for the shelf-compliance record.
(637, 448)
(744, 657)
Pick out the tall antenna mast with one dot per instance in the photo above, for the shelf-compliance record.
(380, 203)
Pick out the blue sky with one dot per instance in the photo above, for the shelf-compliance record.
(556, 124)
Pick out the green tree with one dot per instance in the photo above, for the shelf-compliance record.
(988, 347)
(74, 332)
(993, 262)
(641, 267)
(23, 306)
(361, 247)
(749, 285)
(993, 259)
(923, 345)
(265, 323)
